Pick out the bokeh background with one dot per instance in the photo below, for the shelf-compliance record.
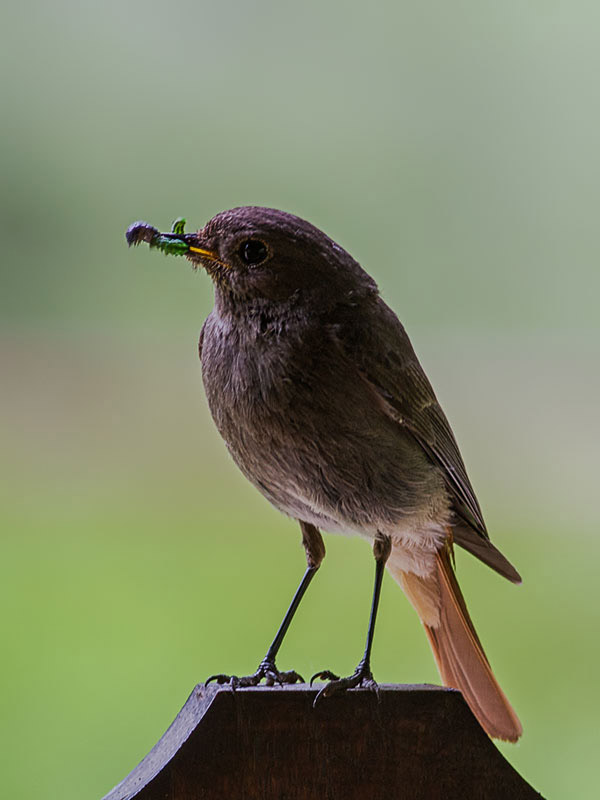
(453, 149)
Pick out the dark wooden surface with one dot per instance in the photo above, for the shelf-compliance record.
(271, 744)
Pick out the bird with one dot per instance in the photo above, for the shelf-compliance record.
(316, 389)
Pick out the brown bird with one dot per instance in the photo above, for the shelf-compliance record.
(322, 403)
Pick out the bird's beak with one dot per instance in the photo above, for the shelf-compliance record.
(176, 242)
(200, 255)
(206, 253)
(196, 254)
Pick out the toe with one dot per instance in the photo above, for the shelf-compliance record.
(219, 679)
(247, 680)
(324, 675)
(291, 676)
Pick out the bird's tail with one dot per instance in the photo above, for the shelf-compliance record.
(460, 658)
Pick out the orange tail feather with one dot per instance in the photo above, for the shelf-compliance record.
(456, 647)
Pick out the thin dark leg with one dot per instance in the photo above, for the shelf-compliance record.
(362, 675)
(315, 552)
(289, 614)
(379, 570)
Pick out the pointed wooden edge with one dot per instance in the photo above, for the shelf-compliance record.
(168, 745)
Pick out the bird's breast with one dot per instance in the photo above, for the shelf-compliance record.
(249, 375)
(306, 431)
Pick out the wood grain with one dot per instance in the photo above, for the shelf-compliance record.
(415, 742)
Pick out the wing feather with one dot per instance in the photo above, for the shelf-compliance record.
(378, 347)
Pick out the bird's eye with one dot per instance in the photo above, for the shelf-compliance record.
(253, 252)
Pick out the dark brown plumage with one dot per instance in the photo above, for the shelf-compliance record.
(323, 405)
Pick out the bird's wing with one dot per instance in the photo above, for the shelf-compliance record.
(374, 341)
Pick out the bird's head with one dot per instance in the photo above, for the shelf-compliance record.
(252, 252)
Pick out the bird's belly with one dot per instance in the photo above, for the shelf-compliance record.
(339, 472)
(338, 492)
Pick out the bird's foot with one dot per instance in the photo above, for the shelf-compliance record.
(362, 676)
(266, 671)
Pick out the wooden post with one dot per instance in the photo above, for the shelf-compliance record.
(414, 743)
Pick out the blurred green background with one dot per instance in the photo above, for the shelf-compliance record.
(453, 149)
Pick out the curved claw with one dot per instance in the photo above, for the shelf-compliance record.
(321, 693)
(325, 675)
(266, 671)
(220, 678)
(291, 676)
(362, 677)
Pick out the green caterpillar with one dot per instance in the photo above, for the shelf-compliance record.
(172, 247)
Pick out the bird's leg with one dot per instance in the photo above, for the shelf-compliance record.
(315, 553)
(362, 675)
